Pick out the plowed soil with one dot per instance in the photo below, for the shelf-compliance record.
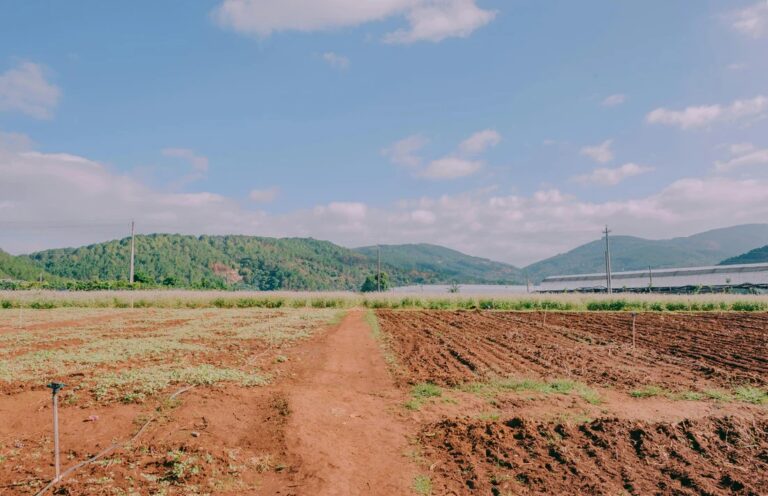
(603, 457)
(479, 438)
(679, 353)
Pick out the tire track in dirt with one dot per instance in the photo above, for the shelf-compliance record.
(344, 426)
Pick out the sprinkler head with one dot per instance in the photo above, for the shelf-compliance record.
(55, 386)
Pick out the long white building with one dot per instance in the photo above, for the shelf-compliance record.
(716, 278)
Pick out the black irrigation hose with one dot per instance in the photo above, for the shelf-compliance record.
(108, 449)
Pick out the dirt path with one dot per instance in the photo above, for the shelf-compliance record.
(345, 424)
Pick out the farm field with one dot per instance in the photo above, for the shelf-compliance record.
(555, 403)
(199, 387)
(321, 401)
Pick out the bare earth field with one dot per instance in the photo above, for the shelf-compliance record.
(527, 403)
(305, 401)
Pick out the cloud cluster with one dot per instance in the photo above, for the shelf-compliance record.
(707, 115)
(744, 155)
(25, 89)
(428, 20)
(264, 195)
(614, 100)
(60, 189)
(753, 20)
(461, 163)
(601, 153)
(611, 177)
(335, 60)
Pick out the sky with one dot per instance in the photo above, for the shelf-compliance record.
(507, 129)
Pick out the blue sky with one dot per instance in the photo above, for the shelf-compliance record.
(507, 129)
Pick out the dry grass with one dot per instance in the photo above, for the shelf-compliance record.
(11, 301)
(129, 355)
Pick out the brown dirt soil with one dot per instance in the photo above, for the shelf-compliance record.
(228, 440)
(571, 407)
(330, 422)
(711, 456)
(451, 348)
(347, 424)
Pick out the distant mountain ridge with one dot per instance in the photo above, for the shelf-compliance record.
(633, 253)
(422, 260)
(758, 255)
(251, 262)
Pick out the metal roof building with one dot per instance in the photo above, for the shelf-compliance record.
(746, 277)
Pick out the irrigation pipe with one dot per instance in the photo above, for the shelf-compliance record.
(109, 449)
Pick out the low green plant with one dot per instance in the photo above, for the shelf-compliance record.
(647, 392)
(752, 395)
(422, 485)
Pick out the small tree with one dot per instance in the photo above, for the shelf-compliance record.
(371, 283)
(454, 288)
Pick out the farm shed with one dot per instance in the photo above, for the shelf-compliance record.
(737, 278)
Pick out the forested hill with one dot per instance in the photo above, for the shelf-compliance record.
(20, 268)
(255, 263)
(758, 255)
(632, 253)
(423, 260)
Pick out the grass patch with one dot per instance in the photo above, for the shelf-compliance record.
(422, 485)
(381, 338)
(134, 386)
(490, 389)
(647, 392)
(421, 393)
(752, 395)
(745, 394)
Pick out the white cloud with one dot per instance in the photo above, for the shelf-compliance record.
(349, 211)
(24, 89)
(612, 177)
(601, 153)
(335, 60)
(613, 100)
(405, 152)
(198, 164)
(264, 195)
(480, 142)
(745, 157)
(740, 148)
(15, 142)
(753, 20)
(706, 115)
(87, 202)
(437, 20)
(451, 168)
(430, 20)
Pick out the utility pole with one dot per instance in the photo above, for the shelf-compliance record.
(608, 284)
(378, 277)
(650, 280)
(133, 252)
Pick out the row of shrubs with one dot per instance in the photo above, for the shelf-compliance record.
(616, 305)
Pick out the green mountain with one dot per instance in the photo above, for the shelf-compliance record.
(632, 253)
(432, 264)
(758, 255)
(20, 268)
(264, 263)
(209, 261)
